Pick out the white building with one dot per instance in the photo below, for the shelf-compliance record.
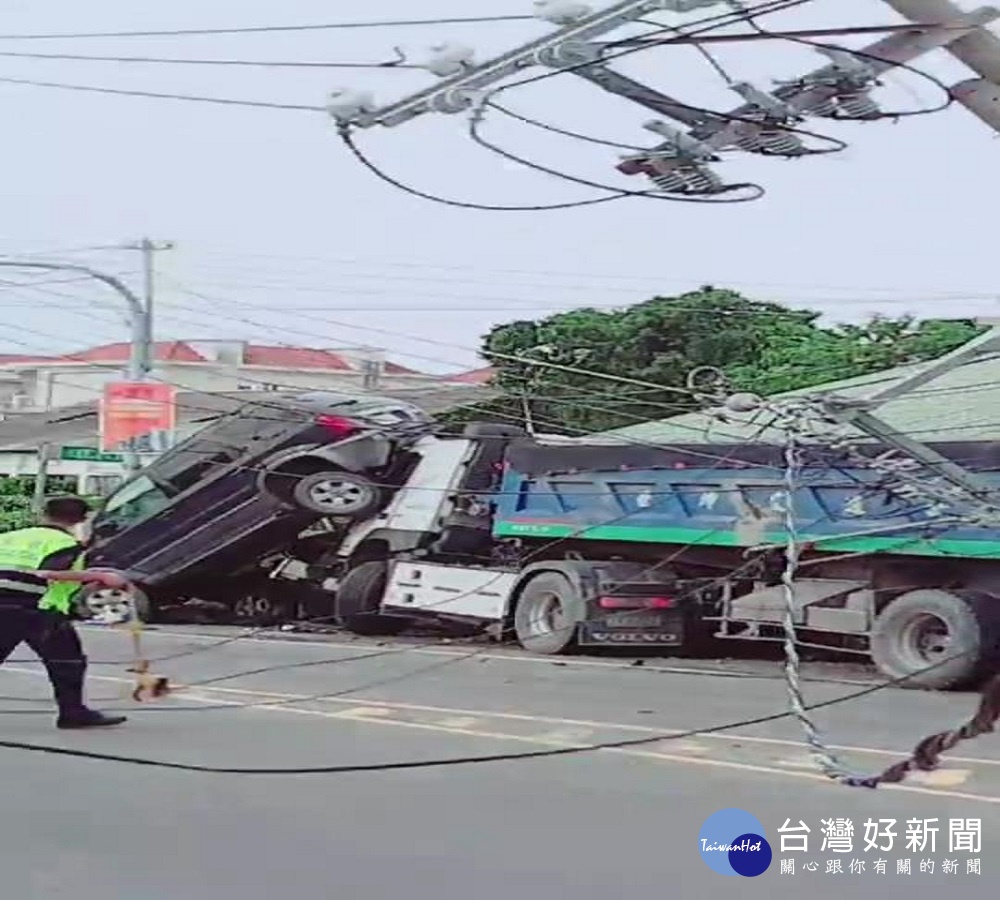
(42, 382)
(51, 401)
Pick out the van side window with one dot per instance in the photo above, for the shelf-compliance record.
(134, 502)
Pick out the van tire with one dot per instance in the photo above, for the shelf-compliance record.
(337, 494)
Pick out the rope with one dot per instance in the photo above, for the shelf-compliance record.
(825, 758)
(793, 419)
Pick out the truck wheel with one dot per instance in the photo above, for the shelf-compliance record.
(94, 602)
(545, 619)
(358, 599)
(956, 633)
(337, 494)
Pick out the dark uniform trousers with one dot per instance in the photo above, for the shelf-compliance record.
(52, 637)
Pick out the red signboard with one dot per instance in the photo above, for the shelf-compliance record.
(132, 410)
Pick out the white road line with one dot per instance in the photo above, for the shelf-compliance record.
(233, 640)
(363, 715)
(277, 701)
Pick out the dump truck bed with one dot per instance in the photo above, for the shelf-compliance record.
(725, 496)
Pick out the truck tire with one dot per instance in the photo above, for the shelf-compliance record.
(545, 618)
(337, 493)
(358, 598)
(955, 632)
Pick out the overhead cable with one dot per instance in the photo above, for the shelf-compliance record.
(261, 29)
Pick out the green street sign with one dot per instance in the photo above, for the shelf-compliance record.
(89, 454)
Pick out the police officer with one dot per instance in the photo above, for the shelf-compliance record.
(41, 569)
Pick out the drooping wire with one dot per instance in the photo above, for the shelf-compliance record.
(473, 760)
(751, 191)
(710, 23)
(345, 133)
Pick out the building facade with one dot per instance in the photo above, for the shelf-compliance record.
(29, 383)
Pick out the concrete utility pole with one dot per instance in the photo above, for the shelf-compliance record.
(142, 360)
(979, 49)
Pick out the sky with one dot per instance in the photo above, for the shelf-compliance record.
(278, 234)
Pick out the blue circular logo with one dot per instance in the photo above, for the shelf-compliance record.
(732, 842)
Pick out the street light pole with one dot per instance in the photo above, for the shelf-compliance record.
(139, 316)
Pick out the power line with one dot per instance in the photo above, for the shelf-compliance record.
(258, 29)
(259, 63)
(226, 101)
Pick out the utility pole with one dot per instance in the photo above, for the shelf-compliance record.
(44, 452)
(979, 49)
(141, 360)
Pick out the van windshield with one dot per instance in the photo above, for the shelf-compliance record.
(133, 502)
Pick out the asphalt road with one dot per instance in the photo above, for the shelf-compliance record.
(581, 826)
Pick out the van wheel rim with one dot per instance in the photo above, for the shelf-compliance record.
(337, 496)
(109, 604)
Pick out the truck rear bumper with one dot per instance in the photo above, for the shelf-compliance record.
(635, 628)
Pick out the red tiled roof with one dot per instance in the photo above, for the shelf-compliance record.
(163, 351)
(295, 358)
(392, 368)
(17, 358)
(476, 376)
(180, 351)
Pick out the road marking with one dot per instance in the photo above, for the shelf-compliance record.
(937, 778)
(280, 698)
(512, 657)
(203, 696)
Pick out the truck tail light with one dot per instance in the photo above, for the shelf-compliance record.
(337, 426)
(636, 602)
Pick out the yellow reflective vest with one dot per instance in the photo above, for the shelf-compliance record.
(23, 552)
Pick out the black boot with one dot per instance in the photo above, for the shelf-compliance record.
(67, 684)
(87, 718)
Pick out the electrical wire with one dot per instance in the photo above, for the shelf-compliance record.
(345, 132)
(224, 101)
(753, 191)
(398, 23)
(271, 770)
(460, 760)
(254, 63)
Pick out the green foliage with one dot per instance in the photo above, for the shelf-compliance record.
(16, 499)
(549, 369)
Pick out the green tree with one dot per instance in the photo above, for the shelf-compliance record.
(16, 499)
(550, 369)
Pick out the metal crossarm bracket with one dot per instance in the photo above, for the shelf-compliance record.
(814, 91)
(530, 54)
